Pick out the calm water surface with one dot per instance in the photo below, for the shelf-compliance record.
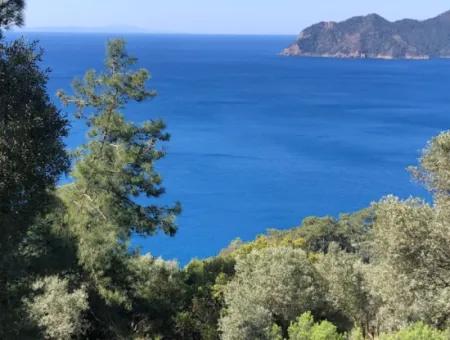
(263, 141)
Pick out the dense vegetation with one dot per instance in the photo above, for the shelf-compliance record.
(69, 271)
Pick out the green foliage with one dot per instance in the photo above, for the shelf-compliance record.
(11, 13)
(203, 299)
(356, 334)
(434, 166)
(348, 287)
(118, 162)
(304, 328)
(276, 333)
(273, 239)
(301, 329)
(32, 157)
(350, 231)
(56, 310)
(325, 331)
(157, 289)
(270, 285)
(411, 273)
(111, 171)
(418, 331)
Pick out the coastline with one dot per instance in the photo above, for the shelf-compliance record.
(296, 52)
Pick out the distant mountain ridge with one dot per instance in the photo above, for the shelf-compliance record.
(372, 36)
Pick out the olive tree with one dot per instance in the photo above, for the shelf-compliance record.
(271, 285)
(349, 288)
(32, 158)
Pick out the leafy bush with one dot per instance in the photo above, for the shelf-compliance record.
(305, 329)
(270, 285)
(56, 310)
(417, 331)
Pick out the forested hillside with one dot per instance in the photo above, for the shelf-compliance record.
(373, 36)
(68, 269)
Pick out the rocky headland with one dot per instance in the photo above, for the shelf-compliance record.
(372, 36)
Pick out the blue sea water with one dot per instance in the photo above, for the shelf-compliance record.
(262, 141)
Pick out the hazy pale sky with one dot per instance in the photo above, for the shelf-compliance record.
(218, 16)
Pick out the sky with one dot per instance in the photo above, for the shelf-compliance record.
(216, 16)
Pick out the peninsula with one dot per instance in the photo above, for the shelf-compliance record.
(373, 36)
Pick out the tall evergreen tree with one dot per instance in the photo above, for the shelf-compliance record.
(114, 174)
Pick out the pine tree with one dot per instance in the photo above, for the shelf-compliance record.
(113, 176)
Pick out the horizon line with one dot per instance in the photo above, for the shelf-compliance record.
(105, 30)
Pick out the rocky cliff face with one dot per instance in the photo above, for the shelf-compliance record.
(372, 36)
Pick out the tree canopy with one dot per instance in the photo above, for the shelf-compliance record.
(11, 13)
(32, 158)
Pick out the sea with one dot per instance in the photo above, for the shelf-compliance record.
(262, 141)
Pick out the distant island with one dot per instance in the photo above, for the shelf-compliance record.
(372, 36)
